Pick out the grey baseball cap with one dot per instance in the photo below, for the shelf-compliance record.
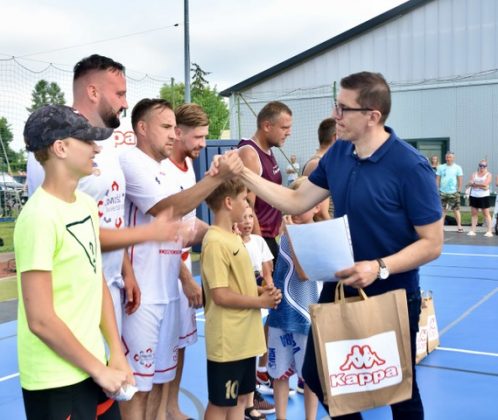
(58, 122)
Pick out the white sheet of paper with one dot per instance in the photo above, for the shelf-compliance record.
(322, 248)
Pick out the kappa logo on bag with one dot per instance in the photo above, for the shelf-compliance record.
(433, 333)
(363, 365)
(362, 358)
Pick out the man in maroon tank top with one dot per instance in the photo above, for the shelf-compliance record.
(274, 123)
(274, 126)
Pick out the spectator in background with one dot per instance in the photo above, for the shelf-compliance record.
(434, 161)
(495, 213)
(449, 179)
(479, 197)
(326, 138)
(292, 170)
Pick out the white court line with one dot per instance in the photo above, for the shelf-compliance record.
(479, 353)
(463, 254)
(468, 311)
(6, 378)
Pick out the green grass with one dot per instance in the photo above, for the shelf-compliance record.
(8, 289)
(466, 217)
(6, 233)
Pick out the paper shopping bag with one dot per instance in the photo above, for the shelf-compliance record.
(432, 329)
(422, 333)
(362, 347)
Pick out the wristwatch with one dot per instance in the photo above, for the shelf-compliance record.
(383, 273)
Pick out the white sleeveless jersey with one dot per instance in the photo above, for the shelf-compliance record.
(156, 264)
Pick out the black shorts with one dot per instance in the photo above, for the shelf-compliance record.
(480, 202)
(228, 380)
(81, 401)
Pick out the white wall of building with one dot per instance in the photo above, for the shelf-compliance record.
(441, 60)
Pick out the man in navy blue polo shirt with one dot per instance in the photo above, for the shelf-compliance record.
(387, 190)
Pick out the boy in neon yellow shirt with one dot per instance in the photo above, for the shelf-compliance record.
(64, 304)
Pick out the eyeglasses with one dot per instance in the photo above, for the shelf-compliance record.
(339, 109)
(482, 165)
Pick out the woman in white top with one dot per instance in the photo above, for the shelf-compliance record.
(479, 197)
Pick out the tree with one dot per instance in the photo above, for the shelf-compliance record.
(199, 82)
(16, 160)
(46, 93)
(203, 95)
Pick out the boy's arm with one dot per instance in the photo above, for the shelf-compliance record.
(48, 327)
(267, 272)
(162, 229)
(108, 326)
(224, 296)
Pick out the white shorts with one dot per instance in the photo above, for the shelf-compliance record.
(285, 353)
(150, 338)
(117, 301)
(188, 324)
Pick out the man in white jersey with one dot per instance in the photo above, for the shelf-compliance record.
(150, 334)
(192, 125)
(99, 91)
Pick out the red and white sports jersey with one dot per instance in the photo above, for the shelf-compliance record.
(180, 179)
(156, 264)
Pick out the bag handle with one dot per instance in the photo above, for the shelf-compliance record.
(339, 293)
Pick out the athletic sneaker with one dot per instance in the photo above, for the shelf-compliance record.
(471, 233)
(300, 385)
(263, 406)
(488, 234)
(264, 384)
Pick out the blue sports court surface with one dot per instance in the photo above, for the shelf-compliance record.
(459, 380)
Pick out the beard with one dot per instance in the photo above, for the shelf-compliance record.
(109, 116)
(193, 154)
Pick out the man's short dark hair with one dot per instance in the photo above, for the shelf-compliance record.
(95, 62)
(231, 188)
(326, 132)
(144, 106)
(271, 111)
(373, 91)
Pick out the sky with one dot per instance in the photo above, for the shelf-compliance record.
(231, 39)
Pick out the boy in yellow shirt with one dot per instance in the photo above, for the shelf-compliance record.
(234, 332)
